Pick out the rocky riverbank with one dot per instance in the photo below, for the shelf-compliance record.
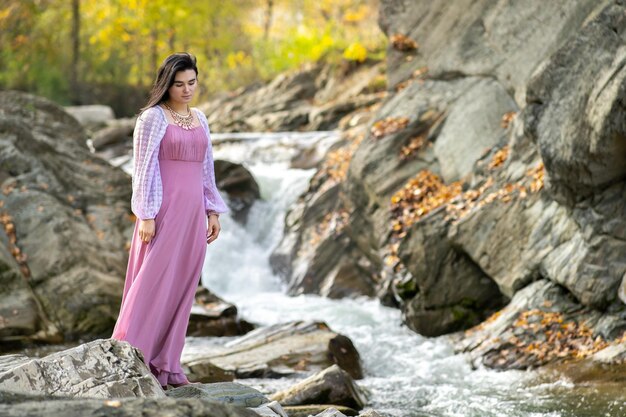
(114, 373)
(478, 185)
(492, 175)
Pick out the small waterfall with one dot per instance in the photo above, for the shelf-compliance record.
(406, 375)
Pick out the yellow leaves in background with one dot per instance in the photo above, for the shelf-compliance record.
(320, 47)
(357, 15)
(4, 14)
(388, 126)
(355, 52)
(238, 59)
(403, 43)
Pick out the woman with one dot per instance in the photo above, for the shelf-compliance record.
(173, 190)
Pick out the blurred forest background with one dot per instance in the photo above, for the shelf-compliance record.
(107, 51)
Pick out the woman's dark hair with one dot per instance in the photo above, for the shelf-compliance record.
(166, 74)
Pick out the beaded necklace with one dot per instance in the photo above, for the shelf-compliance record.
(184, 121)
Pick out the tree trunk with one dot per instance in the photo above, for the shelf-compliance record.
(154, 53)
(74, 83)
(269, 14)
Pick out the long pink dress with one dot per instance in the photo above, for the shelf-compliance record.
(163, 275)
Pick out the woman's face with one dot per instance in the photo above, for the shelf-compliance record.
(184, 86)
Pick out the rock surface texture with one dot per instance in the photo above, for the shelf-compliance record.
(66, 220)
(331, 386)
(315, 98)
(104, 368)
(497, 160)
(273, 351)
(126, 407)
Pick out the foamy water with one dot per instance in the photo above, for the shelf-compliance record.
(405, 374)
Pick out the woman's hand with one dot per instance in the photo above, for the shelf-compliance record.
(214, 228)
(146, 230)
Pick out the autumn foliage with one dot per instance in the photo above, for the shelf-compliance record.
(403, 43)
(9, 229)
(388, 126)
(539, 337)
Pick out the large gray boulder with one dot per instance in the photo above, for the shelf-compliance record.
(103, 368)
(575, 109)
(67, 221)
(573, 233)
(480, 38)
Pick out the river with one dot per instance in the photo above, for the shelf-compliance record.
(407, 375)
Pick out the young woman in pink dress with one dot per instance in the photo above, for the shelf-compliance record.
(177, 205)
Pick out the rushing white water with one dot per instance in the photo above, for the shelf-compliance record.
(406, 374)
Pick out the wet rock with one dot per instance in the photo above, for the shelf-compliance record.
(369, 413)
(346, 356)
(68, 217)
(103, 368)
(443, 301)
(543, 324)
(242, 189)
(331, 386)
(122, 407)
(271, 409)
(212, 316)
(316, 254)
(270, 352)
(223, 392)
(206, 372)
(320, 410)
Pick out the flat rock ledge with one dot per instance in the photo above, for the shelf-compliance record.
(273, 352)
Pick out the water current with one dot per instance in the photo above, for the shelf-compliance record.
(407, 375)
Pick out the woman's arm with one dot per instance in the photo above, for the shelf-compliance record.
(146, 182)
(213, 202)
